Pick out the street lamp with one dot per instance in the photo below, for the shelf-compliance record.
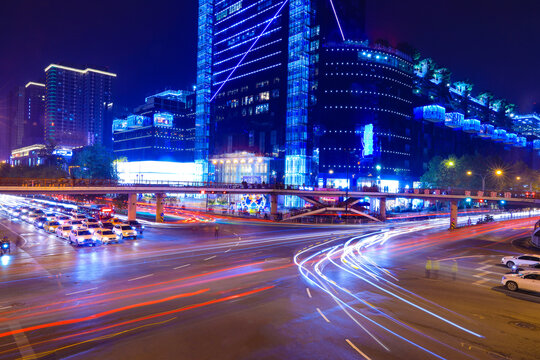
(450, 163)
(498, 172)
(330, 171)
(518, 178)
(378, 167)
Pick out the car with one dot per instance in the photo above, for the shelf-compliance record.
(107, 224)
(520, 261)
(62, 219)
(80, 217)
(92, 227)
(76, 224)
(136, 225)
(116, 221)
(525, 280)
(81, 237)
(50, 216)
(30, 218)
(105, 236)
(63, 231)
(125, 231)
(51, 226)
(40, 221)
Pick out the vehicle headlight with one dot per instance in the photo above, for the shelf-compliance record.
(142, 226)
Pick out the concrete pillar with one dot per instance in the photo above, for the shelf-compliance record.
(132, 206)
(274, 206)
(382, 208)
(160, 215)
(453, 214)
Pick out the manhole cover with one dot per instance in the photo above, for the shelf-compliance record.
(524, 325)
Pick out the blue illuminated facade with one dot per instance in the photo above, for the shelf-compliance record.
(297, 82)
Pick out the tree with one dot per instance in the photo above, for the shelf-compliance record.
(94, 162)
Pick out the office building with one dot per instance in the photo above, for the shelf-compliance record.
(162, 129)
(297, 82)
(77, 106)
(26, 106)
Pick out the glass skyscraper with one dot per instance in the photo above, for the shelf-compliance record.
(77, 102)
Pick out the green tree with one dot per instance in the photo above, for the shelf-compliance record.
(94, 162)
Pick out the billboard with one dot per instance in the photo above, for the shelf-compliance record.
(163, 119)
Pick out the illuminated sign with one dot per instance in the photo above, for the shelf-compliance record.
(433, 113)
(163, 119)
(367, 140)
(63, 152)
(256, 202)
(135, 121)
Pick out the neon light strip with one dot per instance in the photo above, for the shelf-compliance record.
(247, 52)
(79, 70)
(338, 24)
(34, 83)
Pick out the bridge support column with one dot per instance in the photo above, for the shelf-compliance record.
(160, 215)
(132, 206)
(274, 206)
(382, 208)
(453, 214)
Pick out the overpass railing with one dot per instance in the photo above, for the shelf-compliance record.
(25, 182)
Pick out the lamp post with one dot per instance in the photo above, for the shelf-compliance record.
(497, 172)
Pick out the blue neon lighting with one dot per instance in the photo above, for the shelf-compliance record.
(367, 140)
(247, 52)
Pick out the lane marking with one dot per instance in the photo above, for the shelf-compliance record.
(210, 258)
(226, 251)
(141, 277)
(324, 317)
(6, 307)
(308, 292)
(80, 291)
(357, 349)
(181, 266)
(25, 349)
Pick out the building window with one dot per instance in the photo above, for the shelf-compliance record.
(264, 96)
(260, 109)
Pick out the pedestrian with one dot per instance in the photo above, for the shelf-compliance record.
(428, 268)
(216, 232)
(436, 267)
(454, 270)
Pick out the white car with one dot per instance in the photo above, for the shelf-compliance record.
(76, 224)
(63, 231)
(525, 260)
(125, 231)
(105, 236)
(81, 237)
(526, 280)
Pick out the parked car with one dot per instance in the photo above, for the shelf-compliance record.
(526, 280)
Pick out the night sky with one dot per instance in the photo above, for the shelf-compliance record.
(151, 45)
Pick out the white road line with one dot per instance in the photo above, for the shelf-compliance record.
(181, 266)
(357, 349)
(308, 292)
(229, 249)
(78, 292)
(324, 317)
(25, 349)
(141, 277)
(5, 307)
(210, 258)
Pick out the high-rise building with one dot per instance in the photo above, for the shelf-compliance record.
(298, 83)
(26, 111)
(77, 106)
(256, 75)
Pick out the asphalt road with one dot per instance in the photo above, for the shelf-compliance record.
(263, 291)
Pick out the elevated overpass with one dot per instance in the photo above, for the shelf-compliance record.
(349, 198)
